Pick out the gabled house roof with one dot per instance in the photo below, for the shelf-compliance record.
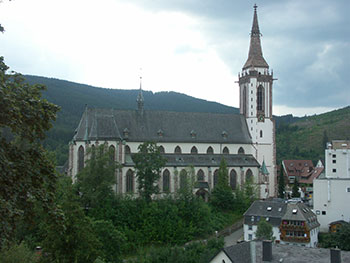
(300, 212)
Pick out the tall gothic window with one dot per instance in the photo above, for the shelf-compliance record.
(166, 181)
(178, 150)
(210, 150)
(127, 149)
(225, 151)
(249, 176)
(216, 177)
(233, 179)
(183, 178)
(112, 152)
(194, 150)
(129, 181)
(240, 150)
(200, 175)
(161, 149)
(80, 158)
(260, 102)
(244, 101)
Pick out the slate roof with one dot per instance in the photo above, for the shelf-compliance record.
(205, 160)
(255, 56)
(241, 253)
(131, 125)
(303, 169)
(303, 214)
(274, 210)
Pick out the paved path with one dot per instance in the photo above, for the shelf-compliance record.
(232, 239)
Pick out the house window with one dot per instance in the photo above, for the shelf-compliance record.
(318, 212)
(348, 189)
(334, 155)
(250, 227)
(334, 161)
(323, 212)
(334, 170)
(261, 133)
(166, 180)
(252, 218)
(250, 237)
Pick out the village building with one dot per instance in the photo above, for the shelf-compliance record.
(246, 140)
(332, 188)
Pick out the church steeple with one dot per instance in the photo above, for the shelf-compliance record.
(140, 100)
(255, 56)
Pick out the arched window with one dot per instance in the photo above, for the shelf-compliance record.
(93, 152)
(178, 150)
(112, 152)
(161, 149)
(261, 133)
(216, 177)
(166, 180)
(129, 181)
(80, 158)
(194, 150)
(260, 102)
(225, 150)
(240, 150)
(183, 178)
(244, 101)
(127, 149)
(200, 175)
(233, 179)
(210, 150)
(249, 176)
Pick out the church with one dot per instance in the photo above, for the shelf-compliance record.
(200, 140)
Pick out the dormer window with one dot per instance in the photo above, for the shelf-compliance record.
(294, 211)
(224, 134)
(126, 133)
(160, 133)
(269, 208)
(193, 134)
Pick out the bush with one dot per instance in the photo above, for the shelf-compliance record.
(18, 253)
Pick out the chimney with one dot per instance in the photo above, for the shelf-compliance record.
(252, 252)
(335, 255)
(267, 250)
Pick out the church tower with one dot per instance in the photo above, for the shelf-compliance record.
(255, 82)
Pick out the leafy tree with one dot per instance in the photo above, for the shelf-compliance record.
(148, 164)
(187, 181)
(281, 184)
(222, 196)
(95, 182)
(343, 237)
(295, 189)
(26, 173)
(18, 253)
(264, 230)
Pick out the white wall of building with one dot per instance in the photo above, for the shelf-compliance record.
(247, 232)
(337, 162)
(331, 201)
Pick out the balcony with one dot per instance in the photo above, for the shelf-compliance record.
(296, 239)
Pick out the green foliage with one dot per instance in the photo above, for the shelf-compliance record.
(111, 239)
(18, 253)
(295, 189)
(264, 231)
(148, 165)
(281, 184)
(340, 239)
(187, 181)
(26, 173)
(222, 196)
(95, 182)
(196, 252)
(71, 237)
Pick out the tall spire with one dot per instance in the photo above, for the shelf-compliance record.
(255, 56)
(140, 100)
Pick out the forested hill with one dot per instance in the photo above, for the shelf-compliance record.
(72, 98)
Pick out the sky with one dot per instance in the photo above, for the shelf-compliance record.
(195, 47)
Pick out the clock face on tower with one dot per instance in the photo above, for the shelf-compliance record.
(261, 118)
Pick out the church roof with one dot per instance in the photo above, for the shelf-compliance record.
(130, 125)
(255, 56)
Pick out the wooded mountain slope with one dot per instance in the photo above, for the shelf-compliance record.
(296, 138)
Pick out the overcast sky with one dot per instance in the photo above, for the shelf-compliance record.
(196, 47)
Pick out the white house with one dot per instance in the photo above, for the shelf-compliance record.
(245, 140)
(332, 189)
